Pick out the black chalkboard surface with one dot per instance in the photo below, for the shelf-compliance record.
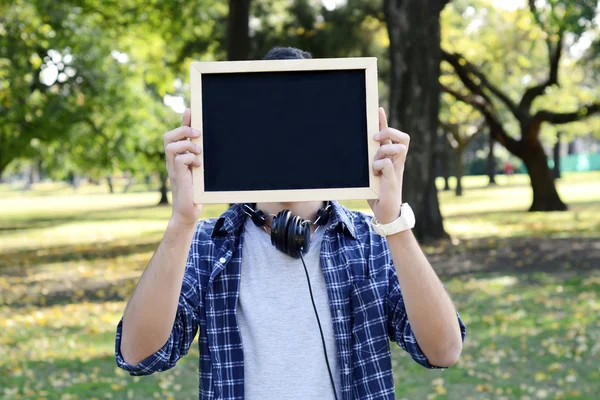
(286, 130)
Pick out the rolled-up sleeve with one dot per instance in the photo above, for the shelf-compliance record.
(183, 332)
(399, 328)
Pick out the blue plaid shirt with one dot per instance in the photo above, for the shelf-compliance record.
(364, 295)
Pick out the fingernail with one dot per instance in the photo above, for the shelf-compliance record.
(377, 136)
(196, 132)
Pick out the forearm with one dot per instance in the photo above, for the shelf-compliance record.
(150, 313)
(429, 308)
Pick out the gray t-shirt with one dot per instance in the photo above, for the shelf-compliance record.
(283, 351)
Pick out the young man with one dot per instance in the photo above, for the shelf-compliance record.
(260, 336)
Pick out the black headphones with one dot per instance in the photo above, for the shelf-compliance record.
(289, 233)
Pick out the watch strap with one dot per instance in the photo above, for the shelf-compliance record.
(404, 222)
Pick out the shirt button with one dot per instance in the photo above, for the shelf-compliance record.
(222, 260)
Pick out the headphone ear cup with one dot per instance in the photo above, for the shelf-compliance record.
(274, 230)
(279, 230)
(306, 238)
(292, 234)
(301, 240)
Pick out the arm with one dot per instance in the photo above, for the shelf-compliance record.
(433, 318)
(161, 313)
(422, 317)
(150, 313)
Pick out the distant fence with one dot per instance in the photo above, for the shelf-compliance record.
(578, 162)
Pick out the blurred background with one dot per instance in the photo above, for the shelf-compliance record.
(499, 97)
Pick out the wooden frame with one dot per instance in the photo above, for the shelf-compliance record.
(368, 64)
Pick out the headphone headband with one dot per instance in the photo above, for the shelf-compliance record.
(289, 233)
(260, 218)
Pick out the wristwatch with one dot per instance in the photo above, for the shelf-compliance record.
(405, 221)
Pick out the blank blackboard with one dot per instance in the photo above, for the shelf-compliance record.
(285, 130)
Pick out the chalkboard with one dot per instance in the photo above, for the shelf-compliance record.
(285, 130)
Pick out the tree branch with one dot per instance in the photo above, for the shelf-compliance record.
(565, 118)
(496, 129)
(532, 7)
(468, 68)
(451, 134)
(554, 55)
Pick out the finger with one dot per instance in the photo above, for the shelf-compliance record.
(182, 147)
(382, 119)
(180, 133)
(390, 150)
(394, 135)
(383, 123)
(187, 117)
(384, 167)
(184, 161)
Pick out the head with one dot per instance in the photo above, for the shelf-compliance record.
(306, 209)
(287, 53)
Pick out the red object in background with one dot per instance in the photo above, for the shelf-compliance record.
(508, 168)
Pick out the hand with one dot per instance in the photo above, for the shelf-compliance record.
(181, 156)
(389, 164)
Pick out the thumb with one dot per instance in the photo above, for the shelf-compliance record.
(187, 117)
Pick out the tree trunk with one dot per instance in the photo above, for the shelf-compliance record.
(29, 181)
(545, 196)
(128, 184)
(459, 169)
(446, 170)
(238, 39)
(110, 184)
(76, 181)
(163, 189)
(444, 161)
(415, 55)
(491, 162)
(556, 154)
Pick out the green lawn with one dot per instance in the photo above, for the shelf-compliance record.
(528, 288)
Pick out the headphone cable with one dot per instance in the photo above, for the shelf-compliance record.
(320, 329)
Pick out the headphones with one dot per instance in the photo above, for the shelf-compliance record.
(289, 233)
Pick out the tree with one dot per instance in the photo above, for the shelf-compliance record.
(491, 161)
(460, 130)
(555, 21)
(238, 39)
(415, 54)
(33, 109)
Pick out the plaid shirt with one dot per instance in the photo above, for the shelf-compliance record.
(364, 295)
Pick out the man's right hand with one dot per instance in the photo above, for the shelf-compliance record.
(181, 156)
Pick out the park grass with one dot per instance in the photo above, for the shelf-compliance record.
(69, 261)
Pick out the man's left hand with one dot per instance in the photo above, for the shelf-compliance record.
(389, 164)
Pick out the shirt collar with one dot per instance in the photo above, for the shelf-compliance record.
(233, 219)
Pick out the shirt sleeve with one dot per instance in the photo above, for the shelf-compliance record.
(399, 328)
(183, 332)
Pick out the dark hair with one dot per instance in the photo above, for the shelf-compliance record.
(287, 53)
